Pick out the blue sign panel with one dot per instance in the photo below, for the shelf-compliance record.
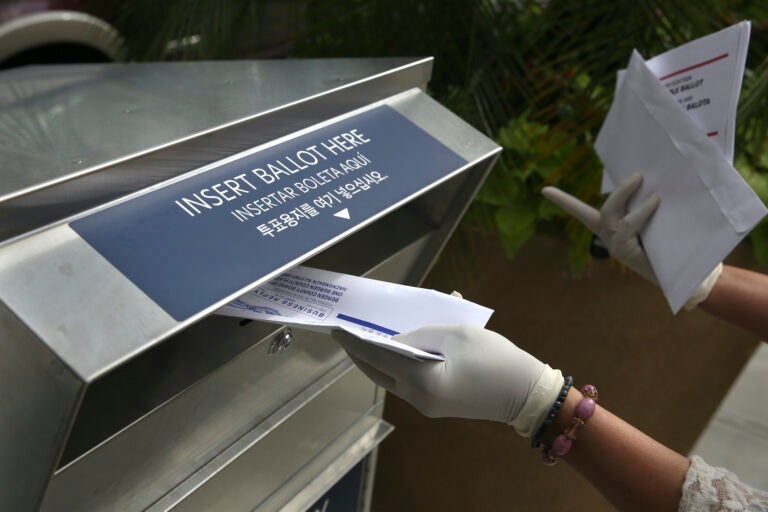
(344, 496)
(194, 242)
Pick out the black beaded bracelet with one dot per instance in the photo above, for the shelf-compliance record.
(536, 440)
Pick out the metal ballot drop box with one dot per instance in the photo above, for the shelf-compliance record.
(135, 200)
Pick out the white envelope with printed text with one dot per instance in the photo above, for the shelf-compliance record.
(372, 310)
(712, 68)
(706, 207)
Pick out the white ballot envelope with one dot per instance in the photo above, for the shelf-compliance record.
(706, 207)
(704, 76)
(372, 310)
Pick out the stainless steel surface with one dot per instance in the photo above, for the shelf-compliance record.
(151, 456)
(156, 377)
(444, 125)
(264, 466)
(118, 111)
(317, 477)
(81, 136)
(74, 300)
(38, 399)
(247, 441)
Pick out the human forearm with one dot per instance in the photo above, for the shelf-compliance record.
(736, 296)
(634, 472)
(486, 376)
(740, 297)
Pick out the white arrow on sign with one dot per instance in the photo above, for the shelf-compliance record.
(344, 214)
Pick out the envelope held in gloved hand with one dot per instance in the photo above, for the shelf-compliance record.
(706, 207)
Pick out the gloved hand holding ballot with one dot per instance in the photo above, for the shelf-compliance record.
(369, 309)
(673, 121)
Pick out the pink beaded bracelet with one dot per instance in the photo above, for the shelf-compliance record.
(564, 442)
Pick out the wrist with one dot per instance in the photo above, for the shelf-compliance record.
(564, 415)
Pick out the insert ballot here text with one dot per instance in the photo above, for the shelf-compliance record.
(255, 192)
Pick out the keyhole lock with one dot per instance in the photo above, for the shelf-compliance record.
(281, 342)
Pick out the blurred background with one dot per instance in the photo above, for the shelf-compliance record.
(537, 77)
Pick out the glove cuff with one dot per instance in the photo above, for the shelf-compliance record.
(702, 292)
(539, 401)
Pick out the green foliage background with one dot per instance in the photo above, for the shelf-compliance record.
(539, 77)
(536, 76)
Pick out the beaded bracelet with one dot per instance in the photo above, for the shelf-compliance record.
(564, 442)
(536, 440)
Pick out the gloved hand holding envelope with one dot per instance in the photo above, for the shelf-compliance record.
(706, 207)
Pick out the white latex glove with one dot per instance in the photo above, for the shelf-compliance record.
(618, 229)
(484, 375)
(613, 225)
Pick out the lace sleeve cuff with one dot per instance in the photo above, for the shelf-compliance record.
(718, 490)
